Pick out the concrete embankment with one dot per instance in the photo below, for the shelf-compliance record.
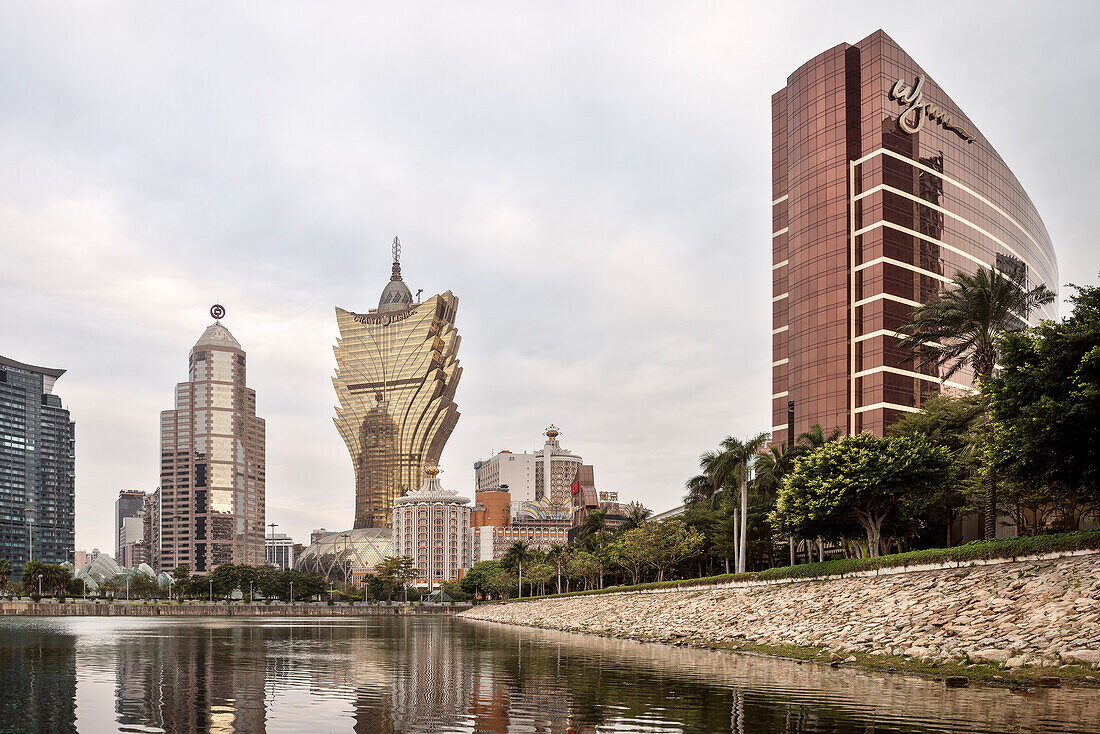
(189, 609)
(1038, 613)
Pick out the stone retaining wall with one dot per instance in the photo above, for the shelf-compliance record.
(131, 609)
(1027, 613)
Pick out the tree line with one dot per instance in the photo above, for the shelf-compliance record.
(1022, 445)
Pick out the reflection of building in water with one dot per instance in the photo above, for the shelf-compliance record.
(396, 374)
(180, 680)
(211, 499)
(37, 680)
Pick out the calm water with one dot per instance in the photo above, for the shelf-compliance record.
(439, 674)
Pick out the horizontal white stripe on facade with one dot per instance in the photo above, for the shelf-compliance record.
(780, 297)
(886, 297)
(779, 428)
(780, 200)
(900, 264)
(1053, 267)
(892, 406)
(783, 394)
(781, 329)
(916, 375)
(779, 265)
(1032, 321)
(780, 362)
(778, 232)
(949, 213)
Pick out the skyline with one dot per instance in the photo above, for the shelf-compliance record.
(612, 257)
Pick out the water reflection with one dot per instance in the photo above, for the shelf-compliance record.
(440, 674)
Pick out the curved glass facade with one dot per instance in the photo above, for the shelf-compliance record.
(347, 556)
(882, 190)
(396, 374)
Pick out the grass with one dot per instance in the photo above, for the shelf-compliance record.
(979, 673)
(979, 550)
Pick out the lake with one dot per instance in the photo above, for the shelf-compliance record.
(446, 674)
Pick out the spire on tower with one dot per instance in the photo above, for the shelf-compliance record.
(396, 272)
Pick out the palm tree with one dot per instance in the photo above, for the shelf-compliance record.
(816, 437)
(962, 326)
(772, 468)
(594, 525)
(517, 553)
(636, 516)
(556, 555)
(699, 489)
(737, 459)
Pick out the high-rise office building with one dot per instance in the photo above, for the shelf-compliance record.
(279, 550)
(128, 505)
(396, 374)
(211, 497)
(37, 467)
(882, 189)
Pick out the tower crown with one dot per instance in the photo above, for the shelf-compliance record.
(396, 295)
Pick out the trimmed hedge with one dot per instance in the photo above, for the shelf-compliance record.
(978, 550)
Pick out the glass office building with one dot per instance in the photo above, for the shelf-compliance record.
(37, 467)
(882, 190)
(396, 375)
(212, 463)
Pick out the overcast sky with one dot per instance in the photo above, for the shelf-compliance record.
(592, 180)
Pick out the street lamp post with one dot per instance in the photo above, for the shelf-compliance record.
(250, 591)
(211, 591)
(344, 556)
(291, 592)
(127, 588)
(170, 582)
(40, 584)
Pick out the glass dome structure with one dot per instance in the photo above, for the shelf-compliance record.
(348, 556)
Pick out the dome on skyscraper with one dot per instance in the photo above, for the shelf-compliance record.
(217, 335)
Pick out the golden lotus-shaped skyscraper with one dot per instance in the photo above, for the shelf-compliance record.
(396, 374)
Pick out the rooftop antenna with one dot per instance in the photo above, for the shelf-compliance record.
(418, 292)
(396, 274)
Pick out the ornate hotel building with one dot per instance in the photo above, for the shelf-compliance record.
(432, 527)
(210, 505)
(882, 189)
(396, 374)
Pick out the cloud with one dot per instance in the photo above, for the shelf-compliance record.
(591, 181)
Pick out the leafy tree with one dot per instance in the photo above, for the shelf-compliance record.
(962, 326)
(538, 573)
(874, 480)
(633, 551)
(5, 574)
(1045, 404)
(673, 542)
(499, 582)
(954, 422)
(584, 566)
(396, 572)
(556, 556)
(474, 581)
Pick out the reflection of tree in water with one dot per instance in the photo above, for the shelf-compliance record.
(37, 681)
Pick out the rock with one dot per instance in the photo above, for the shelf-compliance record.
(956, 681)
(1015, 662)
(990, 655)
(1082, 657)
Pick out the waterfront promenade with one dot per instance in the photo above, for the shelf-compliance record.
(81, 608)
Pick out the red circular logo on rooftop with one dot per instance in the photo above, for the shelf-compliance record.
(217, 311)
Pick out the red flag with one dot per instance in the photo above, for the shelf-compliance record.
(576, 487)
